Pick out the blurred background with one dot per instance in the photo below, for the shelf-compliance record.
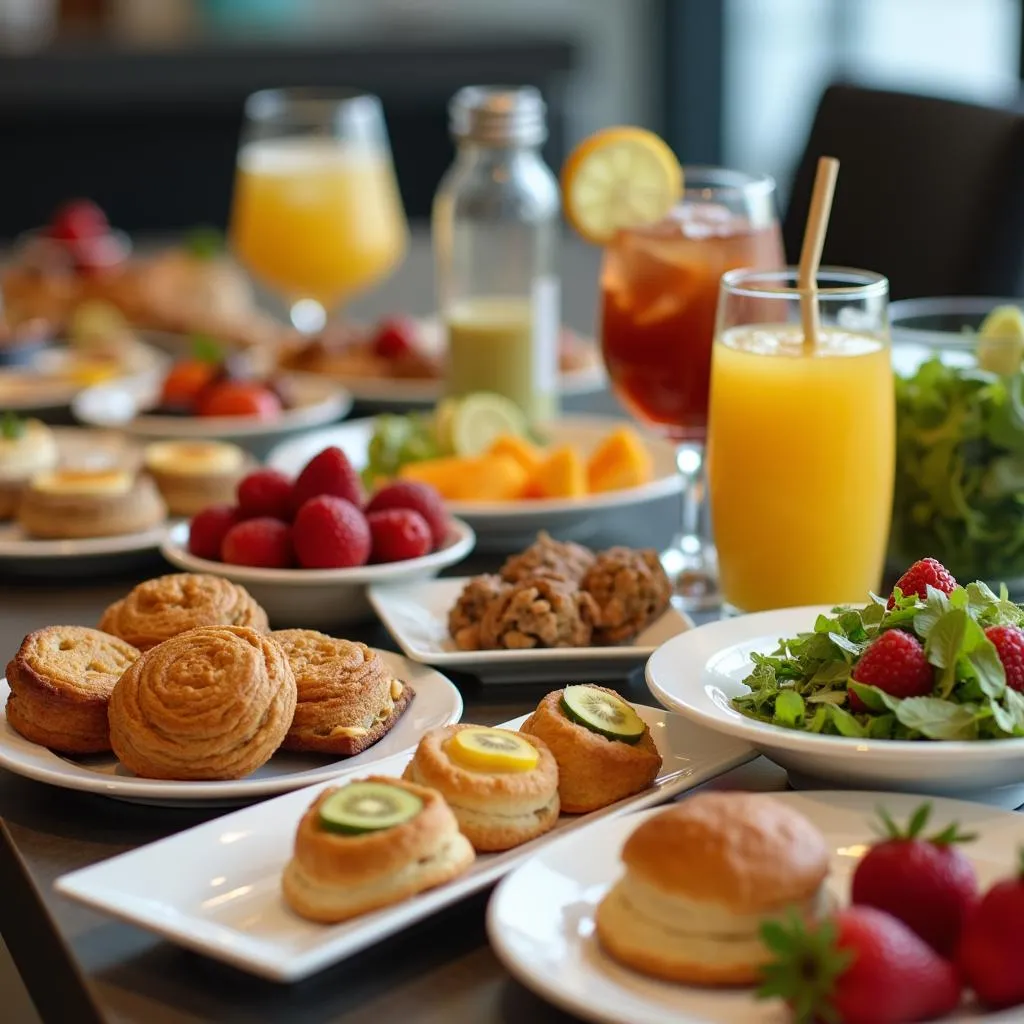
(137, 103)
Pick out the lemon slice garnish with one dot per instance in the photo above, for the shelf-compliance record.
(1001, 341)
(619, 178)
(492, 750)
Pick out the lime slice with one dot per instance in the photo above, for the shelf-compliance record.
(481, 418)
(444, 414)
(1001, 341)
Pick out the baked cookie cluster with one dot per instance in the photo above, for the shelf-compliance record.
(561, 594)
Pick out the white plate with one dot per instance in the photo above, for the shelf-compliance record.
(121, 405)
(436, 703)
(319, 598)
(416, 615)
(220, 893)
(699, 672)
(510, 525)
(541, 917)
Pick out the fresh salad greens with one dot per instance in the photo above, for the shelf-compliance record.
(397, 440)
(804, 684)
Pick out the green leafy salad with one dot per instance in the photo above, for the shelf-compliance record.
(806, 683)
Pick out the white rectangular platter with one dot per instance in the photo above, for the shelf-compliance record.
(216, 888)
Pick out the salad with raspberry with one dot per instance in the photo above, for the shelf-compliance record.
(933, 661)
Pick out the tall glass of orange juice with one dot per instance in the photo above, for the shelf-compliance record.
(801, 440)
(316, 214)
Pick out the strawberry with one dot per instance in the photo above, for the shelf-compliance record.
(263, 542)
(398, 534)
(78, 220)
(330, 472)
(420, 498)
(239, 398)
(266, 492)
(923, 574)
(331, 533)
(860, 967)
(895, 662)
(991, 953)
(207, 530)
(395, 338)
(1009, 644)
(925, 881)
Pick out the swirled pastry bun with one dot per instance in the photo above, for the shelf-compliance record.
(61, 680)
(160, 608)
(702, 877)
(502, 786)
(595, 768)
(211, 703)
(371, 843)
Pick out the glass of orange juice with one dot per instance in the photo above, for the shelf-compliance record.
(801, 440)
(316, 214)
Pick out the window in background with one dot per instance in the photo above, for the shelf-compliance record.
(780, 55)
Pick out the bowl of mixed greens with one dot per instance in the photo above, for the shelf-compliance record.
(959, 492)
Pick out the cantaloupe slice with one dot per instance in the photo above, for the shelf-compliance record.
(527, 454)
(561, 475)
(620, 461)
(484, 478)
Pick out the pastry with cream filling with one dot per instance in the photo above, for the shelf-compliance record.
(27, 447)
(192, 475)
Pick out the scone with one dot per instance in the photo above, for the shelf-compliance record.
(194, 474)
(27, 447)
(160, 608)
(347, 700)
(466, 615)
(61, 680)
(701, 879)
(604, 750)
(502, 786)
(538, 612)
(74, 503)
(212, 703)
(562, 560)
(368, 844)
(630, 589)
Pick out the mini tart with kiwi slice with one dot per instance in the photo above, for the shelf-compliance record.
(368, 844)
(603, 748)
(501, 785)
(192, 475)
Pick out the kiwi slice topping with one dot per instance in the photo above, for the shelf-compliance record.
(362, 807)
(603, 713)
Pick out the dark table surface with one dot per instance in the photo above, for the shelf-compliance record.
(80, 966)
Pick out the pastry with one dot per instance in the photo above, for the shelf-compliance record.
(369, 844)
(604, 750)
(538, 612)
(27, 447)
(73, 503)
(561, 560)
(160, 608)
(194, 474)
(468, 612)
(61, 680)
(702, 878)
(630, 589)
(210, 703)
(347, 699)
(502, 786)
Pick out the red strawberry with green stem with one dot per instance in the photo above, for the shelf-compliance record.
(925, 881)
(861, 966)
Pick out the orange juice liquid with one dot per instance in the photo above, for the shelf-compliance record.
(801, 458)
(317, 218)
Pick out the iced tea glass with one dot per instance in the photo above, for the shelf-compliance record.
(659, 292)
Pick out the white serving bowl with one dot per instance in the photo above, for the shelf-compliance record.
(320, 598)
(698, 672)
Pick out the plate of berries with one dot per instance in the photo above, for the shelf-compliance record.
(307, 548)
(920, 690)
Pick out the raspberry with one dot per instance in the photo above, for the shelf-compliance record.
(894, 663)
(926, 573)
(331, 533)
(420, 498)
(78, 220)
(330, 472)
(395, 338)
(1009, 643)
(207, 529)
(398, 534)
(263, 542)
(265, 493)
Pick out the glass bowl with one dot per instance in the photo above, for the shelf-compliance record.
(959, 494)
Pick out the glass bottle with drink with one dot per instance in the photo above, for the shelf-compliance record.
(495, 226)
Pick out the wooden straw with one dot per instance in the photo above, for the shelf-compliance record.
(814, 242)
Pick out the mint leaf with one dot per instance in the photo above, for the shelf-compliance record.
(938, 719)
(872, 697)
(845, 723)
(848, 646)
(11, 426)
(789, 709)
(929, 614)
(1009, 715)
(988, 669)
(880, 727)
(942, 648)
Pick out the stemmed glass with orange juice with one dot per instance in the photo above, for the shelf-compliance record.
(316, 214)
(669, 233)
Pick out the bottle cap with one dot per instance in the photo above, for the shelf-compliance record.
(493, 115)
